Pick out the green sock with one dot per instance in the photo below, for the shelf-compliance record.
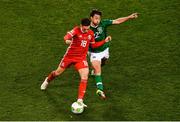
(99, 83)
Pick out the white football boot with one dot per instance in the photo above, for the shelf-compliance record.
(80, 102)
(101, 94)
(44, 84)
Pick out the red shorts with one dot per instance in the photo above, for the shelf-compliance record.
(78, 64)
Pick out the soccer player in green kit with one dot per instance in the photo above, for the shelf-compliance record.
(98, 56)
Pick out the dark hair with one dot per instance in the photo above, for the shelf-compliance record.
(85, 22)
(95, 11)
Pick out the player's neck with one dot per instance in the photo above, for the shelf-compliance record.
(93, 25)
(82, 30)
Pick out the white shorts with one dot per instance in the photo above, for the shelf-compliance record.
(99, 56)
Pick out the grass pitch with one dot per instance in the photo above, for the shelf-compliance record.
(142, 78)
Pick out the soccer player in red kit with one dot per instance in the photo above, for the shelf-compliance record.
(79, 40)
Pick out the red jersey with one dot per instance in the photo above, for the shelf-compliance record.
(80, 43)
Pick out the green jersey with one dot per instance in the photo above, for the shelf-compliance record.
(100, 33)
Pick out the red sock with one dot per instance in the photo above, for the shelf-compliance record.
(82, 89)
(51, 76)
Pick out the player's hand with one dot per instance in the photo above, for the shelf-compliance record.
(68, 41)
(108, 38)
(133, 16)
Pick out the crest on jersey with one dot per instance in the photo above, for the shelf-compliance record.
(100, 30)
(89, 37)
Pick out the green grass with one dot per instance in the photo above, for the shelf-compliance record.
(142, 78)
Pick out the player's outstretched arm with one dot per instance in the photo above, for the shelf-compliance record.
(124, 19)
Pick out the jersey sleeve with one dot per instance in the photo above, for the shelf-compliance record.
(107, 22)
(71, 34)
(92, 38)
(95, 44)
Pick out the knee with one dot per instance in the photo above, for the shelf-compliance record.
(95, 66)
(85, 75)
(97, 69)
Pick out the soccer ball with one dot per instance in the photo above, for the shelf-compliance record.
(76, 108)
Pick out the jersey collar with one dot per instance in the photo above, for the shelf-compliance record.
(92, 25)
(81, 30)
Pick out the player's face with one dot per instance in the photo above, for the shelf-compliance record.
(85, 28)
(96, 19)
